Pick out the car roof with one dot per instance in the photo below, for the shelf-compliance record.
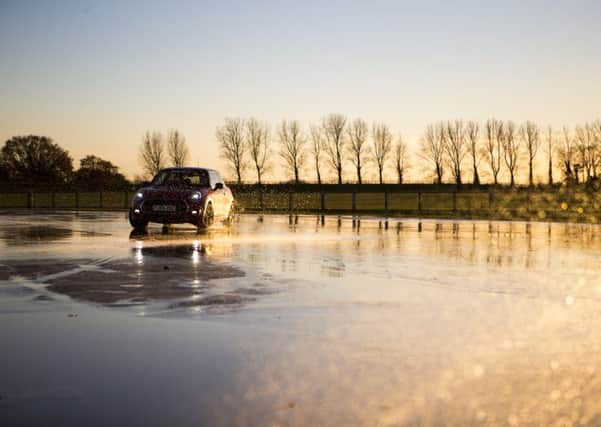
(188, 169)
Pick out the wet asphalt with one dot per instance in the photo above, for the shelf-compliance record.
(297, 320)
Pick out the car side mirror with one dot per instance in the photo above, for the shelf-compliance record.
(219, 186)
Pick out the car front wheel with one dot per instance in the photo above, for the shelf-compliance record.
(137, 223)
(208, 217)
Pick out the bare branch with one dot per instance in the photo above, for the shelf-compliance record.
(550, 148)
(357, 135)
(177, 148)
(231, 138)
(530, 135)
(317, 147)
(587, 147)
(382, 144)
(257, 141)
(292, 144)
(400, 157)
(333, 128)
(433, 149)
(566, 153)
(472, 131)
(455, 147)
(511, 148)
(152, 153)
(494, 129)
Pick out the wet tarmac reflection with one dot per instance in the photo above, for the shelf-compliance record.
(297, 320)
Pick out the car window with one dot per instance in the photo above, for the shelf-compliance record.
(198, 179)
(160, 178)
(215, 178)
(180, 178)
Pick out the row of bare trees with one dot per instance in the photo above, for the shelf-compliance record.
(334, 141)
(455, 151)
(504, 145)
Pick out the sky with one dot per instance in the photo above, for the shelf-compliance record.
(95, 76)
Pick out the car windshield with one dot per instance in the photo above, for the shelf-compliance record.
(182, 178)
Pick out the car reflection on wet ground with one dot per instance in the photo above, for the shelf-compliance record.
(282, 320)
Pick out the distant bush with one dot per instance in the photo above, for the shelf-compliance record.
(95, 173)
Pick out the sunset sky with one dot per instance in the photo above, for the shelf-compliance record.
(95, 76)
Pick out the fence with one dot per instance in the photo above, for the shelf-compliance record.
(110, 200)
(531, 204)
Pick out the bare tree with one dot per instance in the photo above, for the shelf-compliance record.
(357, 135)
(550, 146)
(152, 153)
(382, 145)
(493, 147)
(566, 152)
(292, 147)
(587, 150)
(400, 157)
(257, 140)
(530, 135)
(455, 147)
(472, 130)
(177, 148)
(511, 149)
(231, 138)
(333, 128)
(433, 149)
(596, 130)
(596, 125)
(317, 145)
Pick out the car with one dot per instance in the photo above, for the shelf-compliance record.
(182, 195)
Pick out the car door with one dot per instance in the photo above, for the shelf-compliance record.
(225, 196)
(219, 199)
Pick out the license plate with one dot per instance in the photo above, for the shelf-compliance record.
(163, 208)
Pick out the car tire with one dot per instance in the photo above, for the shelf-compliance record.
(208, 217)
(229, 219)
(137, 223)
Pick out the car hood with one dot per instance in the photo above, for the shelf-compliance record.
(171, 192)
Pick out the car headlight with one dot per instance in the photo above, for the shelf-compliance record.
(195, 196)
(139, 195)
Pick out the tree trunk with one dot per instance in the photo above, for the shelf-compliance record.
(359, 174)
(381, 180)
(512, 182)
(530, 177)
(550, 170)
(296, 174)
(476, 176)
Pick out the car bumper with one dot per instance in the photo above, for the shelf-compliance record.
(190, 215)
